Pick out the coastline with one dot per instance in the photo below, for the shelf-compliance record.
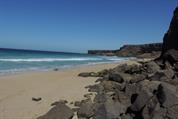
(15, 72)
(17, 90)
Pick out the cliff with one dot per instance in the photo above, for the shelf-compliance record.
(170, 42)
(143, 50)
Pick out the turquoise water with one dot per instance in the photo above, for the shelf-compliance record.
(16, 61)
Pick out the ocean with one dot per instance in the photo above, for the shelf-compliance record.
(13, 61)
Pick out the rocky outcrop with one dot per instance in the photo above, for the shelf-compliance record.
(144, 51)
(170, 41)
(142, 90)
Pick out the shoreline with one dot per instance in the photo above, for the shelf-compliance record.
(62, 68)
(17, 90)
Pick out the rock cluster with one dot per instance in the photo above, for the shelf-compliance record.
(138, 91)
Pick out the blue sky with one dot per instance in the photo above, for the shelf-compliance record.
(79, 25)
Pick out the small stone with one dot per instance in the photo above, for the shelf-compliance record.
(36, 99)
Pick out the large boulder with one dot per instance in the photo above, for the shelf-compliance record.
(86, 110)
(60, 111)
(88, 74)
(167, 95)
(117, 77)
(110, 109)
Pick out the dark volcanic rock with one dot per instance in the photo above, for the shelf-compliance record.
(150, 108)
(60, 111)
(89, 74)
(163, 75)
(36, 99)
(117, 77)
(110, 109)
(151, 67)
(167, 95)
(170, 42)
(172, 112)
(141, 100)
(86, 110)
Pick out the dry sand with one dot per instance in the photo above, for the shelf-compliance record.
(16, 91)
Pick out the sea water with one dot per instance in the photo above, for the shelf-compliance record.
(12, 61)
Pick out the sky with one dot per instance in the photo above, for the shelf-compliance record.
(81, 25)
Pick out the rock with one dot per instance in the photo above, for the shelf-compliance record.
(103, 73)
(172, 112)
(100, 98)
(126, 116)
(176, 67)
(61, 101)
(75, 109)
(121, 68)
(141, 100)
(36, 99)
(60, 111)
(77, 103)
(150, 86)
(110, 86)
(85, 74)
(136, 78)
(159, 113)
(131, 89)
(86, 110)
(163, 75)
(134, 69)
(110, 109)
(56, 69)
(117, 77)
(89, 74)
(171, 56)
(88, 95)
(100, 113)
(96, 88)
(167, 95)
(114, 109)
(151, 67)
(150, 108)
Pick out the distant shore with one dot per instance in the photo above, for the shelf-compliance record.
(17, 90)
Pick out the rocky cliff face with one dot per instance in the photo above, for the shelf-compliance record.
(144, 50)
(170, 41)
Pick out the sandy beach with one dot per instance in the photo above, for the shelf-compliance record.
(17, 90)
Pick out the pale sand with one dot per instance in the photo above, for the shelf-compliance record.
(16, 91)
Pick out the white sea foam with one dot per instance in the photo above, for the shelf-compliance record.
(50, 59)
(61, 59)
